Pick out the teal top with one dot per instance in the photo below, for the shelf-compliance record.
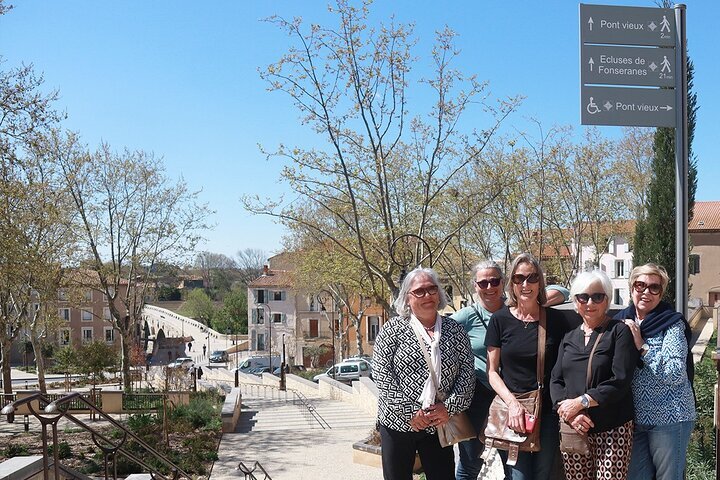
(475, 320)
(476, 325)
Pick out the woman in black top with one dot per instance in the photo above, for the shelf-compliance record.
(604, 411)
(511, 342)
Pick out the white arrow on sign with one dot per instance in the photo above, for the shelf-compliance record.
(591, 62)
(666, 107)
(590, 22)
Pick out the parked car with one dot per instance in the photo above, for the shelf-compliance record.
(219, 356)
(260, 370)
(251, 363)
(289, 369)
(184, 362)
(347, 371)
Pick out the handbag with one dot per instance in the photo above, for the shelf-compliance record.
(458, 426)
(572, 441)
(497, 433)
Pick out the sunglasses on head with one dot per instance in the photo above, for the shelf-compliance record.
(654, 288)
(421, 292)
(518, 278)
(491, 282)
(586, 297)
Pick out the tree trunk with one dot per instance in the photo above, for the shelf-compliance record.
(5, 347)
(39, 364)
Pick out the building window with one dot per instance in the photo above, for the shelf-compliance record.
(278, 295)
(619, 269)
(64, 313)
(109, 335)
(260, 341)
(694, 266)
(87, 334)
(617, 300)
(106, 313)
(62, 295)
(64, 337)
(311, 303)
(87, 316)
(259, 315)
(277, 317)
(260, 296)
(373, 327)
(88, 295)
(313, 325)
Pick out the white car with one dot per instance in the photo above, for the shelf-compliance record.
(347, 371)
(184, 362)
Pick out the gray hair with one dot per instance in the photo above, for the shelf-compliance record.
(402, 307)
(525, 258)
(486, 264)
(587, 279)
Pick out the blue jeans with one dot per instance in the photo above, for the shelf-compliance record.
(538, 466)
(470, 465)
(659, 451)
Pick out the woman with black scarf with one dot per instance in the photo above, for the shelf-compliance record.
(662, 384)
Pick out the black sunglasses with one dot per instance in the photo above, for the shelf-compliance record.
(492, 282)
(640, 287)
(422, 291)
(586, 297)
(518, 278)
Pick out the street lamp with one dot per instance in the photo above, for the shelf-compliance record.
(237, 360)
(269, 323)
(282, 366)
(322, 298)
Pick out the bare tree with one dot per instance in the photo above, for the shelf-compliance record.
(250, 264)
(132, 216)
(382, 174)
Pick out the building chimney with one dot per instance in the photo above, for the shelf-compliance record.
(266, 270)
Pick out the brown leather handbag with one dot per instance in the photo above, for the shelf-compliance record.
(497, 433)
(572, 441)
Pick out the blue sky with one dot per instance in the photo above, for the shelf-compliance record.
(180, 79)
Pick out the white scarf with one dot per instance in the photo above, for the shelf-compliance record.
(427, 397)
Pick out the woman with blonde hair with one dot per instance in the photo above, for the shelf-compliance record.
(662, 383)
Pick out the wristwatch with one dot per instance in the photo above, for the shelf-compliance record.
(585, 401)
(644, 348)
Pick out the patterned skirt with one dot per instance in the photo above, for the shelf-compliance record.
(609, 457)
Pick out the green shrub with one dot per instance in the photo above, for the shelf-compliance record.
(64, 450)
(202, 412)
(701, 451)
(15, 450)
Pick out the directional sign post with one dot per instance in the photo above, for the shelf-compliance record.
(639, 107)
(627, 25)
(601, 64)
(611, 53)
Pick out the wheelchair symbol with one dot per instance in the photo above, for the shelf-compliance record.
(592, 108)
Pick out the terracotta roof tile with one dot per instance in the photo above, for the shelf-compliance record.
(706, 216)
(275, 278)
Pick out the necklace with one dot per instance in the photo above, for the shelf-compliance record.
(430, 328)
(526, 323)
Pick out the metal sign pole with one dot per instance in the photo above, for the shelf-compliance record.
(681, 165)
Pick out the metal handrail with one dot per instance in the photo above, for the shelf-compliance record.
(58, 409)
(250, 473)
(309, 407)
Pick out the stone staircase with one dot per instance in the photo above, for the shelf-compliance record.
(262, 414)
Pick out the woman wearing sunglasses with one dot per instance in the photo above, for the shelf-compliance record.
(602, 410)
(661, 386)
(488, 282)
(409, 407)
(512, 347)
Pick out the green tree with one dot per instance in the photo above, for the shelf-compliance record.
(94, 358)
(655, 229)
(198, 306)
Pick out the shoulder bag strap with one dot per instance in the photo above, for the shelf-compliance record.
(541, 348)
(592, 352)
(480, 316)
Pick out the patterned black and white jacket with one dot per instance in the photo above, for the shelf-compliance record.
(400, 370)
